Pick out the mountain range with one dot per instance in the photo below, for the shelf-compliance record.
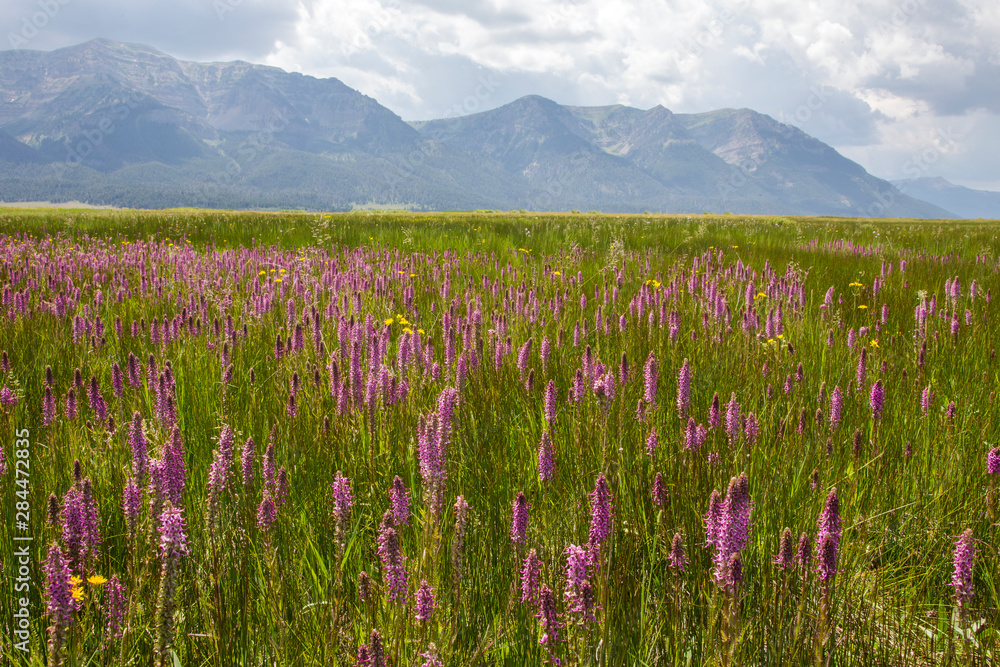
(962, 201)
(123, 124)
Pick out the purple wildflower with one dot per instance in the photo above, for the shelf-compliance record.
(828, 536)
(651, 377)
(116, 380)
(399, 498)
(733, 418)
(734, 572)
(531, 573)
(713, 518)
(343, 501)
(676, 557)
(546, 458)
(523, 355)
(659, 491)
(519, 519)
(375, 649)
(550, 402)
(7, 398)
(116, 607)
(751, 429)
(961, 578)
(785, 558)
(877, 400)
(683, 388)
(267, 513)
(600, 513)
(393, 567)
(246, 463)
(71, 404)
(803, 554)
(131, 506)
(836, 407)
(829, 518)
(652, 442)
(48, 407)
(60, 604)
(549, 618)
(714, 412)
(364, 586)
(173, 540)
(578, 591)
(826, 562)
(458, 539)
(993, 461)
(424, 602)
(733, 527)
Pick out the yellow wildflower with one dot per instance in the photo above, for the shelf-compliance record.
(96, 580)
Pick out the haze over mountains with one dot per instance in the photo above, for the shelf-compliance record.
(963, 202)
(113, 123)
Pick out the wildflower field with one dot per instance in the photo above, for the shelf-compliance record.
(497, 439)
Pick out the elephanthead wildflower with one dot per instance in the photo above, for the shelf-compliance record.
(546, 458)
(519, 519)
(59, 601)
(399, 499)
(676, 557)
(424, 602)
(531, 573)
(785, 558)
(961, 578)
(600, 512)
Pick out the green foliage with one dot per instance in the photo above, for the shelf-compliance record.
(289, 596)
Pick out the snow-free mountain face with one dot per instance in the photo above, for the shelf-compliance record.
(962, 201)
(129, 125)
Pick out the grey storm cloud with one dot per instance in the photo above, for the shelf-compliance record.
(877, 79)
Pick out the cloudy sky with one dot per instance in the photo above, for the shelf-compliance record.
(905, 87)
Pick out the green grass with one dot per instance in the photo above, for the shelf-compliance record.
(288, 596)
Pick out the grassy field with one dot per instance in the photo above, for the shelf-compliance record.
(246, 387)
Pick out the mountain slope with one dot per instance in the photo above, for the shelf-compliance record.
(965, 202)
(107, 105)
(802, 171)
(126, 124)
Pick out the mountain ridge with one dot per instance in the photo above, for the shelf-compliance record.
(132, 124)
(966, 202)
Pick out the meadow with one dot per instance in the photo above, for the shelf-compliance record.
(497, 439)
